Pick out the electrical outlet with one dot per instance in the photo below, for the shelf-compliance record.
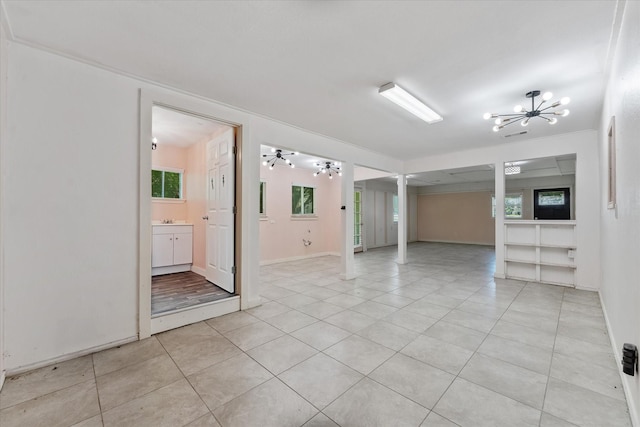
(572, 253)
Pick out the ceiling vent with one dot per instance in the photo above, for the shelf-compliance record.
(524, 132)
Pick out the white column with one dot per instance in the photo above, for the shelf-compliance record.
(402, 219)
(347, 260)
(499, 219)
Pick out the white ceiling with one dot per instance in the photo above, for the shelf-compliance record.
(531, 168)
(170, 127)
(318, 64)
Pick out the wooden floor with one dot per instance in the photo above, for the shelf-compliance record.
(180, 290)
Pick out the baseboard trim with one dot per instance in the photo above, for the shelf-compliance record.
(3, 375)
(191, 315)
(626, 382)
(299, 257)
(170, 269)
(25, 368)
(246, 304)
(198, 270)
(493, 245)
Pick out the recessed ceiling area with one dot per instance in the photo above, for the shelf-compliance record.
(531, 168)
(177, 129)
(318, 65)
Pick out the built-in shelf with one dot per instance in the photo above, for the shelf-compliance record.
(541, 251)
(541, 245)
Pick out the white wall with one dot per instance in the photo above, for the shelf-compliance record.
(585, 145)
(620, 227)
(4, 62)
(72, 194)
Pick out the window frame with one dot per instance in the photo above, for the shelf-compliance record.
(164, 169)
(494, 205)
(313, 205)
(611, 165)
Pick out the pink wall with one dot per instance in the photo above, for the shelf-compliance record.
(170, 157)
(280, 235)
(456, 217)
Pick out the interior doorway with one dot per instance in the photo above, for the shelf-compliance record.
(192, 216)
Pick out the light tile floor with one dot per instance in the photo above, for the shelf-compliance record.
(436, 342)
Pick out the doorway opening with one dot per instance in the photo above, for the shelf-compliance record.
(192, 211)
(300, 199)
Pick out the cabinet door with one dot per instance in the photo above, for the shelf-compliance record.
(182, 248)
(162, 250)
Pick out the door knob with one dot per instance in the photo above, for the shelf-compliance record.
(206, 217)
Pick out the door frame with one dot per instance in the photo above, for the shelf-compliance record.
(146, 324)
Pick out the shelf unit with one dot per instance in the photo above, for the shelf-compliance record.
(541, 251)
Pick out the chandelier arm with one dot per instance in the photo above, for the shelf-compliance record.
(516, 118)
(540, 105)
(508, 115)
(510, 123)
(545, 109)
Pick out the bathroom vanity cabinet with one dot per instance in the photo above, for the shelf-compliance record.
(172, 249)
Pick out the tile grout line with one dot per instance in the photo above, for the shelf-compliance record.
(185, 377)
(95, 379)
(555, 337)
(487, 335)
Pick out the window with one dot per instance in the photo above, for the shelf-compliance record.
(166, 183)
(512, 206)
(395, 208)
(302, 200)
(263, 198)
(551, 198)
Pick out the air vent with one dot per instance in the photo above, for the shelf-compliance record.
(516, 134)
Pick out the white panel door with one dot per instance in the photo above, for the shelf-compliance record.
(220, 203)
(380, 215)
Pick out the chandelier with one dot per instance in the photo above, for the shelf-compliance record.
(272, 159)
(521, 112)
(328, 167)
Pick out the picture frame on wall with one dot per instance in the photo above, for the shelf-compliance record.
(611, 162)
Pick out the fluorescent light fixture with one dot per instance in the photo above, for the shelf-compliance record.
(404, 99)
(511, 169)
